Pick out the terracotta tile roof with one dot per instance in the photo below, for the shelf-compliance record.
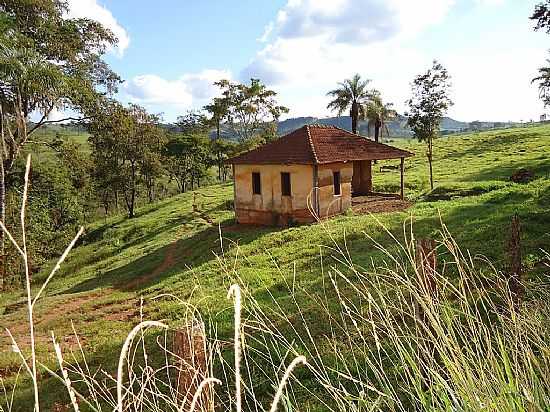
(319, 144)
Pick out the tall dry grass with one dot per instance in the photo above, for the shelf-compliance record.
(387, 343)
(137, 385)
(391, 342)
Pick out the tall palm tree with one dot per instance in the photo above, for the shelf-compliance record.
(353, 94)
(377, 113)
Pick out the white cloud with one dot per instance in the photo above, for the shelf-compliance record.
(490, 2)
(268, 29)
(359, 21)
(312, 49)
(492, 86)
(153, 89)
(92, 10)
(191, 90)
(316, 44)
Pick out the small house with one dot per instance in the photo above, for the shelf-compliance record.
(311, 172)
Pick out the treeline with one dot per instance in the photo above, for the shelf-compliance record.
(49, 62)
(131, 158)
(134, 156)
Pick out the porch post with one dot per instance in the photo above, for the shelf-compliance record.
(234, 192)
(316, 199)
(402, 195)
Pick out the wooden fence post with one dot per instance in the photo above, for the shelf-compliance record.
(189, 348)
(2, 271)
(426, 263)
(515, 269)
(402, 186)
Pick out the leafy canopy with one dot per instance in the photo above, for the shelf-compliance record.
(429, 102)
(127, 144)
(378, 112)
(248, 110)
(48, 61)
(542, 17)
(350, 91)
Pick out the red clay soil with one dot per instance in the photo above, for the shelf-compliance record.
(168, 261)
(379, 204)
(77, 303)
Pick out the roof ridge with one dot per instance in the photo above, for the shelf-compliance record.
(322, 125)
(310, 140)
(348, 132)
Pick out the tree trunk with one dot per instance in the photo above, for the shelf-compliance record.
(354, 113)
(151, 191)
(377, 127)
(514, 251)
(115, 193)
(191, 364)
(132, 200)
(430, 158)
(2, 200)
(132, 203)
(220, 165)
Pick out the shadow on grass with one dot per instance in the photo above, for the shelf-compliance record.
(480, 226)
(194, 250)
(489, 144)
(503, 172)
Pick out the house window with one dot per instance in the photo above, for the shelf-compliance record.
(285, 184)
(256, 184)
(336, 182)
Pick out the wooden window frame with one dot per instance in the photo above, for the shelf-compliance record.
(337, 178)
(286, 184)
(256, 183)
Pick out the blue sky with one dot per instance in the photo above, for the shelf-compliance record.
(170, 51)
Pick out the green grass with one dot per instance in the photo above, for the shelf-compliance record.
(477, 201)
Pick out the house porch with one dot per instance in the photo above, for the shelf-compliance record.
(361, 183)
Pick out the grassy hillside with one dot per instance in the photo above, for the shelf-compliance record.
(196, 255)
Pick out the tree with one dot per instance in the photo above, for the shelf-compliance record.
(221, 149)
(187, 159)
(54, 211)
(193, 122)
(47, 62)
(248, 111)
(429, 102)
(218, 111)
(542, 17)
(126, 149)
(378, 113)
(353, 94)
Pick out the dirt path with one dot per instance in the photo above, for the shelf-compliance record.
(379, 204)
(168, 261)
(17, 322)
(166, 264)
(77, 305)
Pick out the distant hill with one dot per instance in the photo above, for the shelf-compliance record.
(397, 127)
